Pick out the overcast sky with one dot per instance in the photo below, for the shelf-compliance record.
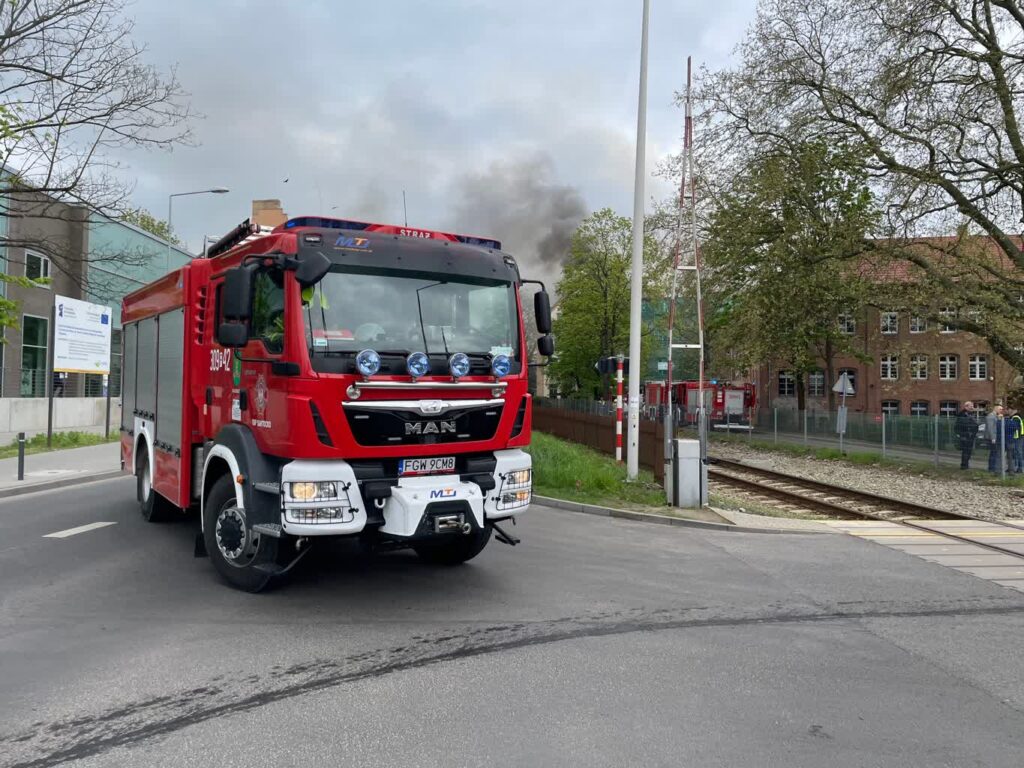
(477, 108)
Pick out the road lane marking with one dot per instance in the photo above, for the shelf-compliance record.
(75, 531)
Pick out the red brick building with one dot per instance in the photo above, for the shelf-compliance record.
(918, 367)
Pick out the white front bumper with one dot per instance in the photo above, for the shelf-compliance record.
(409, 500)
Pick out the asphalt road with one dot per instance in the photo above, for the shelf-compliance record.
(597, 642)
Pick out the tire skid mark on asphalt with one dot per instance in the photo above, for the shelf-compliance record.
(52, 744)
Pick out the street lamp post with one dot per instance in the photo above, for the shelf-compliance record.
(170, 213)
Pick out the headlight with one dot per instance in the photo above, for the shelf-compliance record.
(368, 362)
(312, 491)
(458, 364)
(501, 365)
(418, 364)
(519, 477)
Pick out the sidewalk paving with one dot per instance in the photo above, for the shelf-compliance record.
(54, 469)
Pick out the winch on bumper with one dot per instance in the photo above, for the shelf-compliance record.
(323, 498)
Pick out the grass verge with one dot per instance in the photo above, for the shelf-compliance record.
(572, 472)
(61, 441)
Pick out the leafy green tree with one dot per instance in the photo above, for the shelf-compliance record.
(778, 254)
(143, 219)
(932, 90)
(592, 315)
(77, 92)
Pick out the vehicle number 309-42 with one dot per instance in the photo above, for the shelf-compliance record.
(220, 359)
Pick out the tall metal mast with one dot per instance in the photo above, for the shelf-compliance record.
(687, 178)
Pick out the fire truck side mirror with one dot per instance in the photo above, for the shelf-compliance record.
(236, 296)
(546, 346)
(232, 335)
(312, 269)
(542, 309)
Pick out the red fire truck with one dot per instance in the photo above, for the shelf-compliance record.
(725, 402)
(332, 378)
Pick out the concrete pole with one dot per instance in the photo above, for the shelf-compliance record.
(636, 280)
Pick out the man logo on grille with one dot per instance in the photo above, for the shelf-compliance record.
(429, 427)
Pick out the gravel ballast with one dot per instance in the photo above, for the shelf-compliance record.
(964, 496)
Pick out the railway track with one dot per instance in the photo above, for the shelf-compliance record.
(847, 503)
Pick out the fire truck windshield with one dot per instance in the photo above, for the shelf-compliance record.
(405, 311)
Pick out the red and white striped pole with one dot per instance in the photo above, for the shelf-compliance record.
(618, 408)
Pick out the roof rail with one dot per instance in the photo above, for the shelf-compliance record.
(237, 235)
(324, 222)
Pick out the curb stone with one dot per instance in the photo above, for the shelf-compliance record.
(647, 517)
(63, 482)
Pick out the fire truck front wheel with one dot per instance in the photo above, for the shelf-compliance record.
(236, 551)
(452, 549)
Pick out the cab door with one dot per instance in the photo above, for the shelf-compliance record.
(262, 391)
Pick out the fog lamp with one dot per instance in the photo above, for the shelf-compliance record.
(501, 365)
(417, 364)
(368, 362)
(458, 364)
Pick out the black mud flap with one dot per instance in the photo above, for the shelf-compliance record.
(200, 550)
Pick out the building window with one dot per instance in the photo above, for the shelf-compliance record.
(851, 376)
(787, 384)
(35, 336)
(37, 266)
(947, 314)
(918, 324)
(816, 384)
(890, 367)
(891, 407)
(890, 323)
(919, 367)
(949, 367)
(948, 408)
(977, 368)
(847, 324)
(919, 408)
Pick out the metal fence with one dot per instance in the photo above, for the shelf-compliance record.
(884, 432)
(31, 382)
(922, 438)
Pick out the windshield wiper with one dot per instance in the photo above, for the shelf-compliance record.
(419, 309)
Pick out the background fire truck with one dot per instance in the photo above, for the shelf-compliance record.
(332, 378)
(724, 402)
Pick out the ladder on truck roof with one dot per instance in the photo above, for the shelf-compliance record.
(681, 266)
(243, 233)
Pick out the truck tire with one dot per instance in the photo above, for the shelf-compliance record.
(234, 549)
(454, 548)
(154, 507)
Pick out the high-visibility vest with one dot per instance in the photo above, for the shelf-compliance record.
(1018, 427)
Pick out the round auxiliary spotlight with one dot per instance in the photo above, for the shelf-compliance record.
(368, 362)
(417, 364)
(501, 365)
(458, 364)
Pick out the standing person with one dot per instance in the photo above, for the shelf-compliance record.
(1017, 428)
(1008, 429)
(992, 436)
(966, 430)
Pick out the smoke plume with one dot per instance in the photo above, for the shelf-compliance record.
(520, 203)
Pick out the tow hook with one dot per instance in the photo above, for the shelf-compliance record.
(457, 523)
(504, 536)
